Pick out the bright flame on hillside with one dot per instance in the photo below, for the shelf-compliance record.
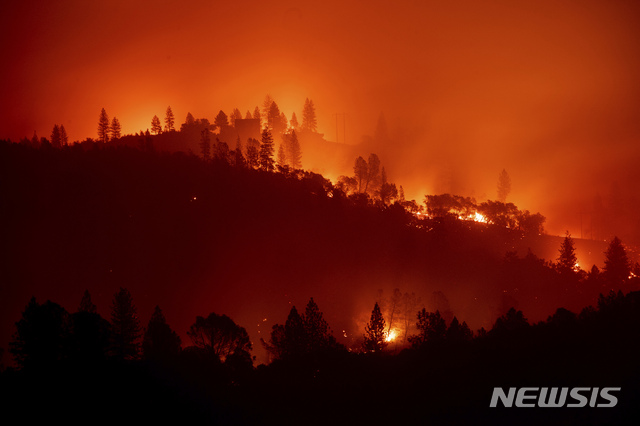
(391, 336)
(480, 218)
(476, 217)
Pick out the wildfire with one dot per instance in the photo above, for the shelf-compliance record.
(480, 218)
(476, 217)
(391, 336)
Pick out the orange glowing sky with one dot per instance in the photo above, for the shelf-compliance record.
(548, 90)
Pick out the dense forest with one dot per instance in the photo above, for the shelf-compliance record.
(188, 278)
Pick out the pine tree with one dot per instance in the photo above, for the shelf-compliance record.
(125, 326)
(295, 337)
(266, 151)
(504, 186)
(431, 327)
(189, 121)
(205, 144)
(375, 333)
(309, 122)
(373, 170)
(256, 115)
(103, 127)
(266, 106)
(281, 159)
(35, 141)
(156, 126)
(160, 342)
(235, 115)
(318, 333)
(248, 115)
(169, 120)
(294, 155)
(116, 129)
(253, 153)
(221, 120)
(283, 121)
(458, 332)
(567, 259)
(616, 265)
(387, 191)
(64, 139)
(360, 171)
(294, 121)
(56, 141)
(273, 119)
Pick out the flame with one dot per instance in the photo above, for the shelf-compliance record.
(480, 218)
(391, 336)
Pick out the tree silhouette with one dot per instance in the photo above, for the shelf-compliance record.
(156, 126)
(317, 330)
(256, 115)
(616, 265)
(387, 191)
(90, 332)
(35, 141)
(221, 151)
(169, 120)
(294, 121)
(189, 121)
(373, 170)
(409, 304)
(125, 326)
(300, 336)
(56, 140)
(248, 115)
(431, 327)
(309, 121)
(266, 152)
(266, 105)
(103, 126)
(253, 153)
(221, 120)
(116, 129)
(500, 214)
(219, 336)
(295, 337)
(288, 340)
(64, 139)
(567, 259)
(504, 186)
(274, 119)
(41, 335)
(205, 144)
(281, 158)
(293, 152)
(512, 321)
(235, 115)
(360, 170)
(458, 332)
(160, 342)
(375, 333)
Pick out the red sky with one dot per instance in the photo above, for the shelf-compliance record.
(548, 90)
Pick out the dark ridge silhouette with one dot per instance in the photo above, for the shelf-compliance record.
(447, 376)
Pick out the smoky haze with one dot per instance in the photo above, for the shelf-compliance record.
(546, 90)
